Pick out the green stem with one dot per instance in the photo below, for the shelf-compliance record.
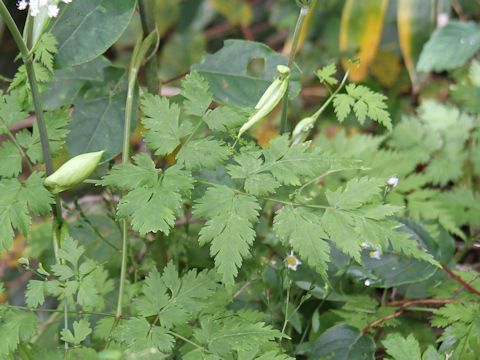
(42, 128)
(293, 50)
(332, 96)
(187, 341)
(285, 321)
(132, 77)
(151, 67)
(318, 178)
(123, 269)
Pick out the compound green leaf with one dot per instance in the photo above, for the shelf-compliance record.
(229, 227)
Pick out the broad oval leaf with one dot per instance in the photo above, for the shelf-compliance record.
(227, 72)
(97, 122)
(450, 46)
(343, 342)
(360, 33)
(87, 28)
(67, 82)
(395, 269)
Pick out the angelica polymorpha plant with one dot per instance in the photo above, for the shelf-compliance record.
(182, 236)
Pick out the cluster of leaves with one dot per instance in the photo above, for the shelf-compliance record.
(327, 202)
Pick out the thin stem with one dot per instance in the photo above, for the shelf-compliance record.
(151, 67)
(25, 308)
(318, 178)
(209, 183)
(42, 129)
(293, 50)
(285, 322)
(132, 77)
(329, 100)
(17, 37)
(123, 270)
(85, 218)
(187, 340)
(65, 320)
(458, 279)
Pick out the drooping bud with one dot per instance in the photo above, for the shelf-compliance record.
(73, 172)
(270, 98)
(303, 126)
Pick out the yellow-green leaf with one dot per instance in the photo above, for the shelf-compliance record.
(360, 33)
(237, 12)
(416, 21)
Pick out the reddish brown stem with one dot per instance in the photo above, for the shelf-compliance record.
(407, 302)
(404, 306)
(458, 279)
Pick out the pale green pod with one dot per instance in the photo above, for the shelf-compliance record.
(73, 172)
(283, 72)
(303, 126)
(269, 99)
(270, 90)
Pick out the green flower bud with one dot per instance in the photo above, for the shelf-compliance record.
(73, 172)
(270, 98)
(303, 126)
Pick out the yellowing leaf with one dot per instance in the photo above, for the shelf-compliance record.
(237, 12)
(386, 68)
(416, 21)
(360, 33)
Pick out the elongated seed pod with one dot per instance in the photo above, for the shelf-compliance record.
(270, 98)
(73, 172)
(270, 90)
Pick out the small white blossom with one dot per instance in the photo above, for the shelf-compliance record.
(50, 6)
(374, 254)
(442, 19)
(22, 5)
(368, 282)
(393, 181)
(53, 10)
(292, 261)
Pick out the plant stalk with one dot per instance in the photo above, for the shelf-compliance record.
(42, 129)
(293, 50)
(151, 67)
(132, 77)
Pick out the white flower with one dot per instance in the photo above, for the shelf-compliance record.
(53, 10)
(50, 6)
(442, 19)
(393, 181)
(292, 261)
(374, 254)
(22, 5)
(368, 282)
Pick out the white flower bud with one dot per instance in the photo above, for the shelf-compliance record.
(73, 172)
(393, 181)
